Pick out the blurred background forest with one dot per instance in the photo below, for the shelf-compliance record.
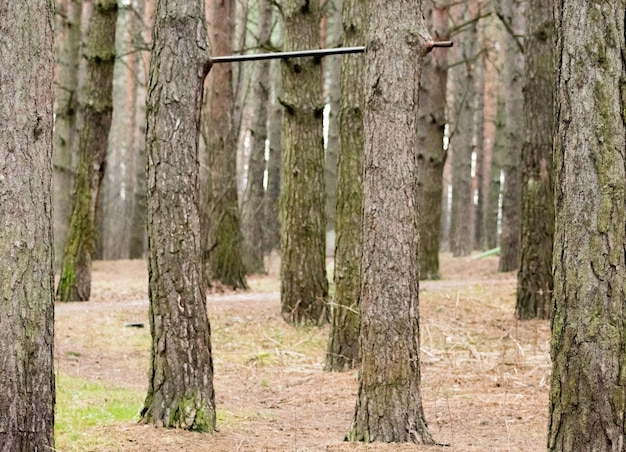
(473, 172)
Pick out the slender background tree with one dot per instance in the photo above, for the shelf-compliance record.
(220, 215)
(511, 13)
(491, 166)
(332, 91)
(125, 154)
(68, 43)
(479, 149)
(494, 196)
(431, 152)
(253, 217)
(534, 278)
(271, 234)
(75, 278)
(463, 95)
(343, 344)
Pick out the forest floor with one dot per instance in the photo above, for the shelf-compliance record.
(485, 376)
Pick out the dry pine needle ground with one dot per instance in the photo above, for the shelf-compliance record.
(485, 376)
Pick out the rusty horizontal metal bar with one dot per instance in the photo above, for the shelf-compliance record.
(301, 53)
(284, 55)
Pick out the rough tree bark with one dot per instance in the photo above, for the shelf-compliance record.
(180, 385)
(75, 278)
(534, 278)
(431, 154)
(304, 286)
(389, 403)
(26, 248)
(588, 391)
(343, 345)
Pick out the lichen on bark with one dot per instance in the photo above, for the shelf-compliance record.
(588, 345)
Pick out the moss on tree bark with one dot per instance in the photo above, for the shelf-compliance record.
(180, 384)
(588, 347)
(343, 345)
(75, 277)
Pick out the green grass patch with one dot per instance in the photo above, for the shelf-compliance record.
(83, 404)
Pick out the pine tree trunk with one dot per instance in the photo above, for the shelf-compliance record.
(481, 169)
(253, 218)
(463, 91)
(304, 286)
(495, 188)
(588, 391)
(333, 81)
(68, 42)
(75, 278)
(116, 206)
(138, 239)
(534, 279)
(180, 385)
(389, 403)
(446, 207)
(241, 18)
(512, 12)
(132, 151)
(221, 216)
(490, 101)
(271, 234)
(343, 345)
(431, 155)
(26, 247)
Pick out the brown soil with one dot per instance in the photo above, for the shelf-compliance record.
(485, 376)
